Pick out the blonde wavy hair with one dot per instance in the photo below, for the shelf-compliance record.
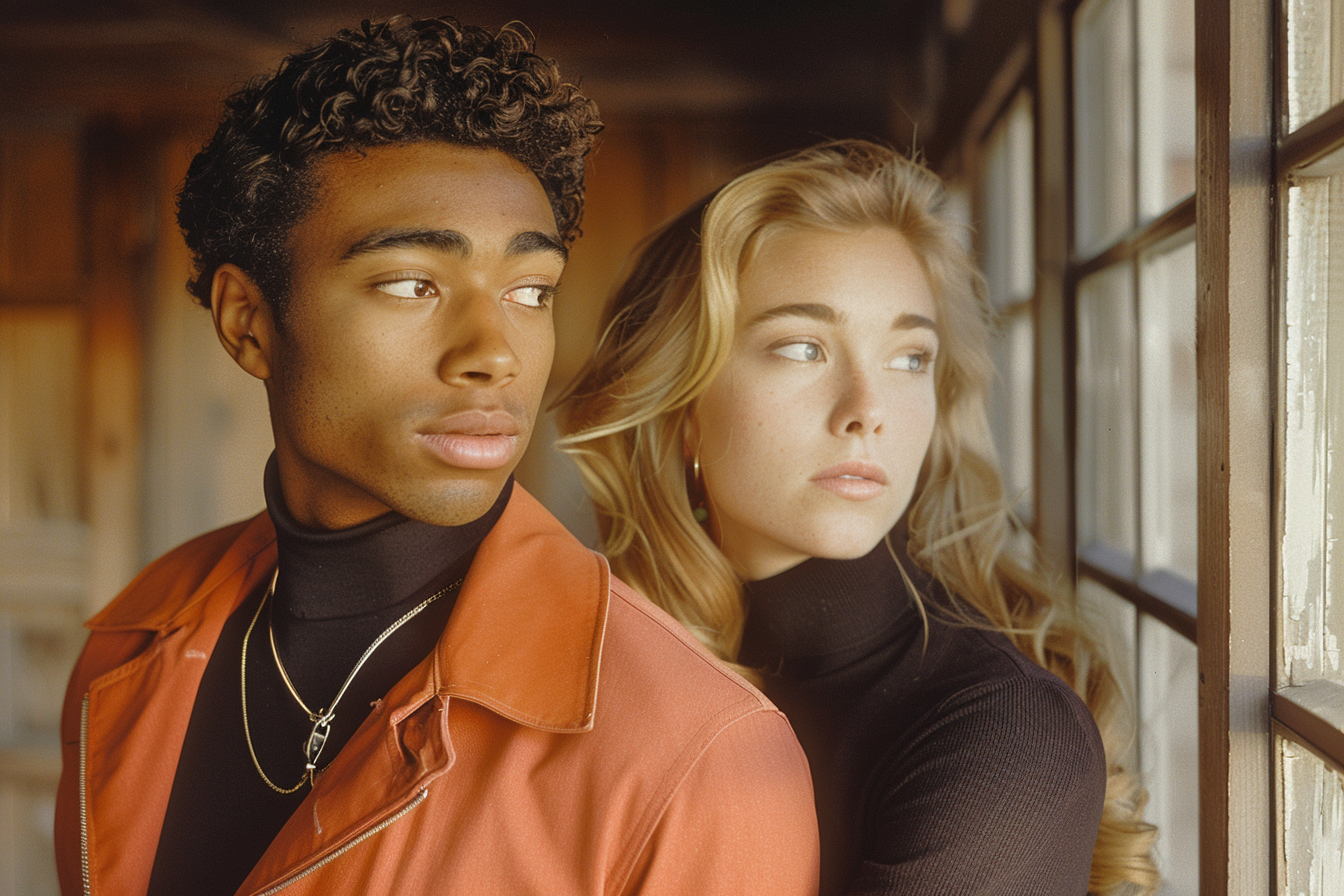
(667, 332)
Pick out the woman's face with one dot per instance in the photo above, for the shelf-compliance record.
(813, 434)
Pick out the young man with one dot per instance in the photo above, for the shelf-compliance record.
(406, 677)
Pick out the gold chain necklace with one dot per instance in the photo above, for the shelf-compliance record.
(321, 719)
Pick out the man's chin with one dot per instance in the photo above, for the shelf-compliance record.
(452, 504)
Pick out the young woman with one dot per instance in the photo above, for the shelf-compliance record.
(784, 432)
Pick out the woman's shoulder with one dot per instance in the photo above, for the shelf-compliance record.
(983, 693)
(1005, 761)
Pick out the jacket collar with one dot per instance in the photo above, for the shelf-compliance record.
(524, 639)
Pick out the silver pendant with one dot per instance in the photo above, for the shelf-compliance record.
(316, 740)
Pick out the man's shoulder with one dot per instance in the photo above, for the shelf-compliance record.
(651, 664)
(168, 583)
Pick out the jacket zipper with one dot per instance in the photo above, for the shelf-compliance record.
(83, 796)
(420, 798)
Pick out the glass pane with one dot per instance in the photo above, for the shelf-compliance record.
(1106, 410)
(1168, 394)
(1312, 611)
(1103, 107)
(1011, 407)
(1315, 58)
(1166, 104)
(1114, 622)
(1008, 208)
(1313, 823)
(39, 415)
(1169, 751)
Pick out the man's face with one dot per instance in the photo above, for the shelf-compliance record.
(418, 337)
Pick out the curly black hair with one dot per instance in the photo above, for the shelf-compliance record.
(399, 81)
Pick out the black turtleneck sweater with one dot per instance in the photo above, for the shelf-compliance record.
(956, 768)
(336, 592)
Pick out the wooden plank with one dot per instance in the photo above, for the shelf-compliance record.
(1141, 238)
(1171, 606)
(116, 241)
(1313, 141)
(1315, 713)
(1234, 335)
(39, 209)
(1054, 522)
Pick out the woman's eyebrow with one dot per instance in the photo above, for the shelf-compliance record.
(813, 310)
(911, 321)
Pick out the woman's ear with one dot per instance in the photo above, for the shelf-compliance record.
(243, 320)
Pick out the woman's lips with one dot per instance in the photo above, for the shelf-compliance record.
(855, 480)
(475, 440)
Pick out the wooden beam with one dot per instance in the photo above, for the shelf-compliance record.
(1234, 83)
(1055, 344)
(116, 241)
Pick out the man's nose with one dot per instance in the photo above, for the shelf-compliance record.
(478, 349)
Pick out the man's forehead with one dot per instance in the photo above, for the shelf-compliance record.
(386, 193)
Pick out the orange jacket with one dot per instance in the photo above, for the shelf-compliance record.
(565, 736)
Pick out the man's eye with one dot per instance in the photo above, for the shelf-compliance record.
(531, 296)
(408, 288)
(800, 351)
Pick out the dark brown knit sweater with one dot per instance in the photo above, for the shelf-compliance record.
(956, 768)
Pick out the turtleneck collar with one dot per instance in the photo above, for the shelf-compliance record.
(824, 614)
(327, 574)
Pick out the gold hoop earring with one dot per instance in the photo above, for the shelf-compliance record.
(696, 488)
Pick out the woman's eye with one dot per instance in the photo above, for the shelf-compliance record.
(914, 363)
(531, 296)
(800, 351)
(408, 288)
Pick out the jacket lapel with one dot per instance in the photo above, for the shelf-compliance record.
(524, 640)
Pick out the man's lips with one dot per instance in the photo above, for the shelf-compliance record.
(854, 479)
(475, 439)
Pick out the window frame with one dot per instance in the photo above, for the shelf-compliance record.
(1239, 59)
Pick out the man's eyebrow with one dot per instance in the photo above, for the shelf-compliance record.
(530, 241)
(439, 240)
(814, 310)
(452, 241)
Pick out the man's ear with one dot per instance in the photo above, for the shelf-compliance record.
(243, 320)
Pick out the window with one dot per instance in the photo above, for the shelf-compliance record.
(1132, 267)
(1189, 395)
(1308, 706)
(1007, 252)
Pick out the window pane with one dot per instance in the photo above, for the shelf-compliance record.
(1313, 823)
(1169, 491)
(1114, 622)
(1312, 612)
(1008, 208)
(1166, 104)
(1106, 410)
(1169, 751)
(1104, 122)
(1011, 407)
(1315, 58)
